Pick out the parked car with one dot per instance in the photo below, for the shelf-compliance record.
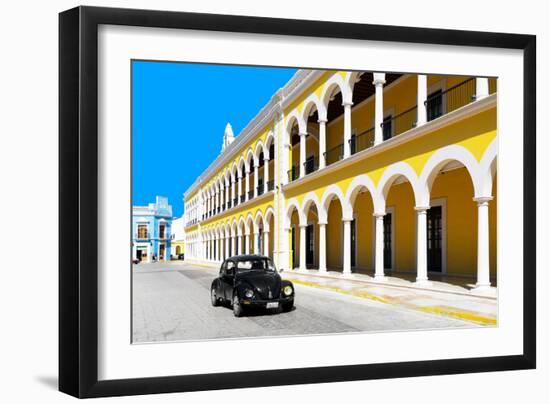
(248, 281)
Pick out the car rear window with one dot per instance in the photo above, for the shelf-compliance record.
(256, 264)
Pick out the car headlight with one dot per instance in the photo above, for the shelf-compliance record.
(248, 293)
(287, 290)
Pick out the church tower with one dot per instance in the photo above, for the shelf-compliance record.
(228, 136)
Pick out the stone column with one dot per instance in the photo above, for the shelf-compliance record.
(347, 128)
(247, 243)
(227, 195)
(322, 142)
(240, 244)
(302, 154)
(256, 242)
(240, 188)
(246, 184)
(379, 81)
(227, 252)
(421, 97)
(483, 267)
(379, 247)
(232, 191)
(266, 174)
(322, 247)
(255, 180)
(482, 87)
(347, 246)
(421, 244)
(266, 243)
(302, 247)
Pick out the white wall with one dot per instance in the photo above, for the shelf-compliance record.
(28, 136)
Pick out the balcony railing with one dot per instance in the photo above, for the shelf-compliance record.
(260, 189)
(453, 98)
(311, 164)
(250, 195)
(235, 200)
(270, 185)
(242, 198)
(400, 123)
(335, 154)
(292, 174)
(362, 141)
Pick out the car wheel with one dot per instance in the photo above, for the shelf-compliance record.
(237, 308)
(288, 306)
(214, 298)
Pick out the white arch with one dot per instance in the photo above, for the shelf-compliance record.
(487, 169)
(330, 192)
(241, 225)
(234, 228)
(242, 163)
(309, 103)
(359, 182)
(269, 213)
(334, 81)
(260, 148)
(250, 156)
(291, 205)
(294, 116)
(269, 140)
(438, 160)
(258, 219)
(311, 199)
(248, 221)
(234, 169)
(393, 172)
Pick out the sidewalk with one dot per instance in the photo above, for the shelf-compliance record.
(476, 309)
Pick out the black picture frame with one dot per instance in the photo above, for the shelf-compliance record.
(78, 201)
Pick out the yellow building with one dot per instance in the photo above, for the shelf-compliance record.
(375, 173)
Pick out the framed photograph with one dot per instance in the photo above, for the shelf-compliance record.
(251, 202)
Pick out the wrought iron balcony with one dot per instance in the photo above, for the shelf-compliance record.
(270, 185)
(293, 174)
(311, 164)
(242, 198)
(452, 98)
(362, 141)
(260, 189)
(250, 195)
(335, 154)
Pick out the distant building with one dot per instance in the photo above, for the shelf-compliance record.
(178, 236)
(151, 231)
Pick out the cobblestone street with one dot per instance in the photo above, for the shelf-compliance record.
(171, 302)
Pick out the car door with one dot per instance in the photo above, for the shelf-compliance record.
(227, 279)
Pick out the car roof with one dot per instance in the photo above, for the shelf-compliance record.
(246, 257)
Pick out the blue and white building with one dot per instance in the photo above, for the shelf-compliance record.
(151, 231)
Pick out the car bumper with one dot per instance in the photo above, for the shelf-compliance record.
(264, 303)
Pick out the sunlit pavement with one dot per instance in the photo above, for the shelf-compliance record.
(171, 301)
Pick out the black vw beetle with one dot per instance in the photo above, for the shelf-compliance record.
(251, 281)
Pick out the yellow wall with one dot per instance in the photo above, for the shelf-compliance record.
(363, 210)
(401, 198)
(334, 236)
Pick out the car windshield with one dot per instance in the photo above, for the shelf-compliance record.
(256, 264)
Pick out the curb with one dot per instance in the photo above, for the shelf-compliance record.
(465, 315)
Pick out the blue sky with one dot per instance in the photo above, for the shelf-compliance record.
(179, 113)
